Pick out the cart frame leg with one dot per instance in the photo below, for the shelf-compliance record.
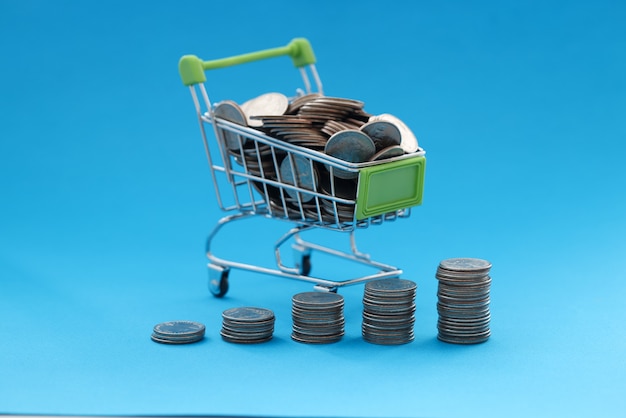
(220, 267)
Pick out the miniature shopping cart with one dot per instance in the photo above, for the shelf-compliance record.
(245, 165)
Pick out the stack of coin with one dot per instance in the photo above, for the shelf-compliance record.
(247, 325)
(389, 311)
(178, 332)
(317, 317)
(463, 300)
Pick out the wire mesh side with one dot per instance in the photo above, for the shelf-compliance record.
(278, 180)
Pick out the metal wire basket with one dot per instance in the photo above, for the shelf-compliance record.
(256, 174)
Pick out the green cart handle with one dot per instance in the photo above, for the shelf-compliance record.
(192, 68)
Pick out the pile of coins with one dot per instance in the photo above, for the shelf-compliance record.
(389, 311)
(247, 325)
(178, 332)
(317, 317)
(338, 127)
(463, 300)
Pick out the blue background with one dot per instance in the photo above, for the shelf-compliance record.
(106, 201)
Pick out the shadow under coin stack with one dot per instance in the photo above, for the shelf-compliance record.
(247, 325)
(317, 317)
(463, 300)
(389, 311)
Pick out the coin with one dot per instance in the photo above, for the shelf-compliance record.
(384, 134)
(389, 152)
(230, 111)
(265, 104)
(390, 286)
(300, 172)
(408, 141)
(248, 314)
(465, 264)
(351, 146)
(313, 300)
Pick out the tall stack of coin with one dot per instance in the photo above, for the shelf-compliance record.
(317, 317)
(463, 300)
(389, 311)
(247, 325)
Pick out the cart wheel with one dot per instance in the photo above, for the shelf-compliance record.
(218, 280)
(305, 265)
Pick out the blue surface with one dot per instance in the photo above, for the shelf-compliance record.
(106, 203)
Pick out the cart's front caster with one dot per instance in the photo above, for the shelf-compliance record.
(305, 265)
(302, 257)
(218, 280)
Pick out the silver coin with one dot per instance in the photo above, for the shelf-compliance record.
(299, 101)
(192, 338)
(317, 299)
(245, 335)
(247, 314)
(389, 310)
(384, 134)
(463, 279)
(179, 328)
(465, 285)
(462, 291)
(242, 340)
(409, 141)
(351, 146)
(230, 111)
(264, 105)
(388, 340)
(386, 286)
(462, 315)
(389, 327)
(161, 340)
(389, 301)
(465, 264)
(298, 171)
(467, 339)
(315, 340)
(391, 319)
(316, 314)
(389, 152)
(322, 329)
(462, 331)
(248, 327)
(388, 332)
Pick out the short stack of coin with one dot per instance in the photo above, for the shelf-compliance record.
(247, 325)
(178, 332)
(389, 311)
(317, 317)
(463, 300)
